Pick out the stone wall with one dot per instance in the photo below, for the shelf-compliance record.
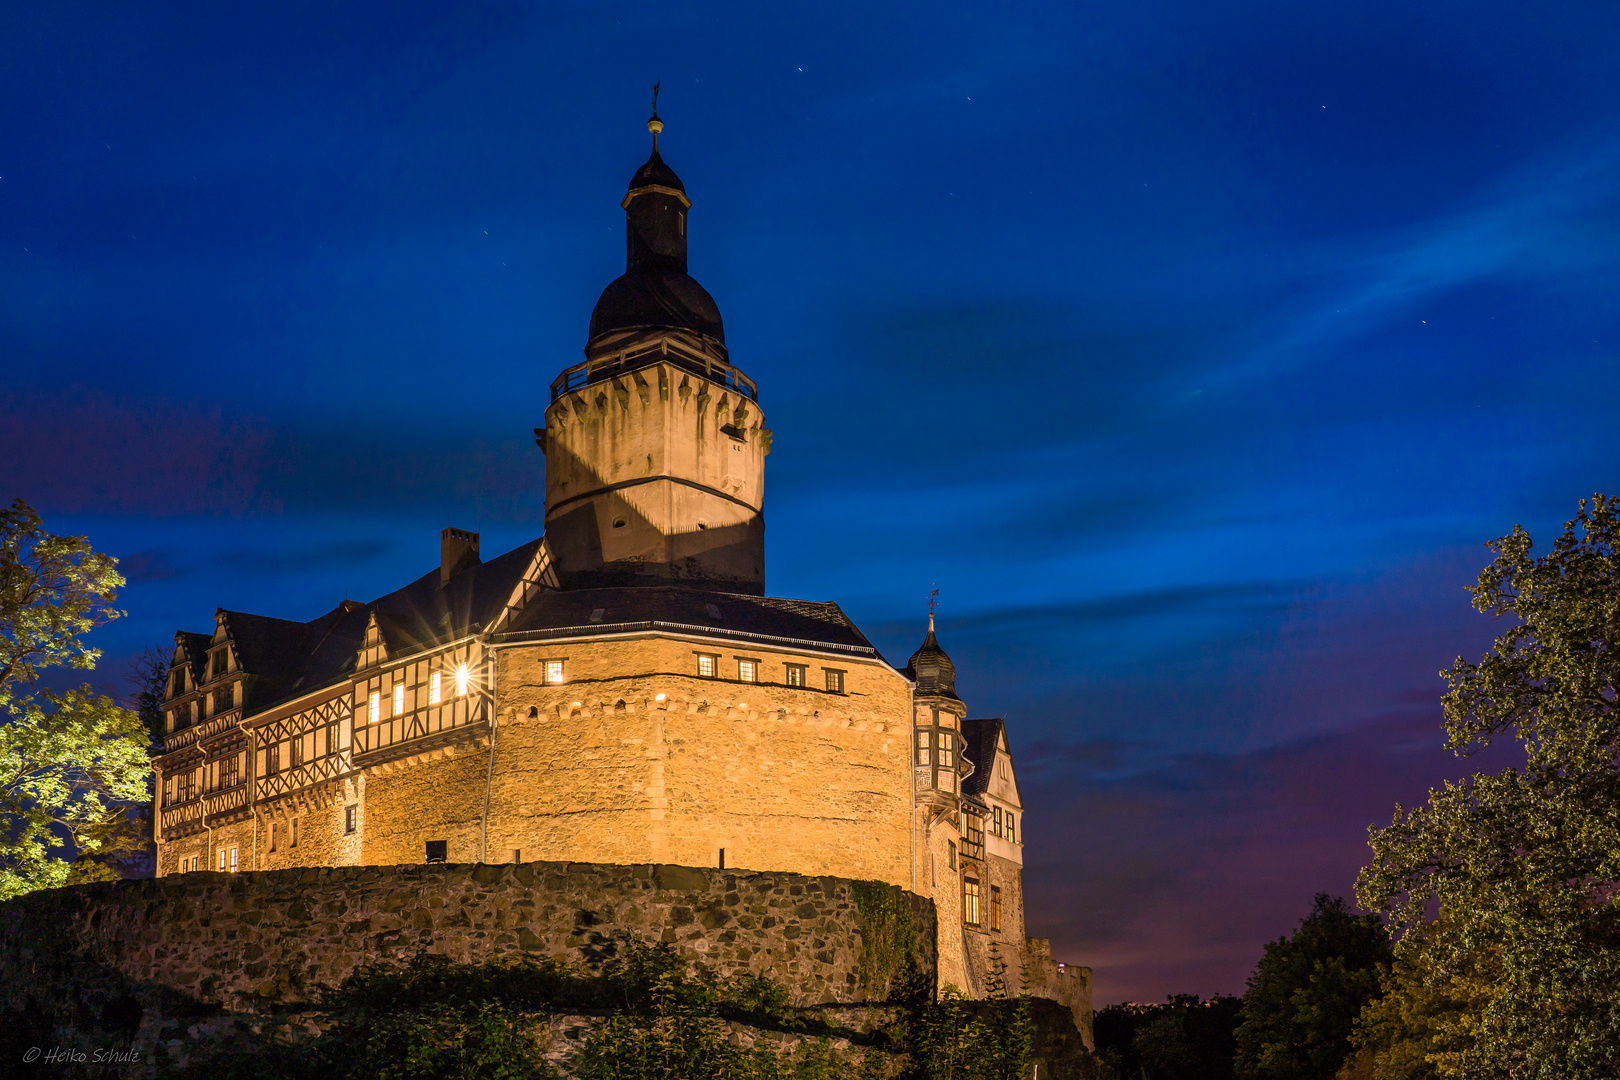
(253, 940)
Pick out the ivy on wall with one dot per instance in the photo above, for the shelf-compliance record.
(888, 939)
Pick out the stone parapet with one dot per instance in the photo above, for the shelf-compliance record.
(251, 941)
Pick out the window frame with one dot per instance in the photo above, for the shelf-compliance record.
(713, 660)
(554, 666)
(836, 683)
(351, 819)
(747, 669)
(972, 897)
(799, 672)
(436, 687)
(995, 907)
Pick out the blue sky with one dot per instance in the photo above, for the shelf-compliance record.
(1192, 351)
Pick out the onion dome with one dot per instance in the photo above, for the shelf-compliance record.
(931, 669)
(655, 291)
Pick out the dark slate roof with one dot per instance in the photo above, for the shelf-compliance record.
(656, 173)
(763, 618)
(656, 295)
(196, 647)
(288, 659)
(979, 746)
(931, 669)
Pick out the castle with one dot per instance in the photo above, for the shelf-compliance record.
(618, 691)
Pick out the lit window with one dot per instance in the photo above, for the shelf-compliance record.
(746, 670)
(222, 860)
(707, 667)
(970, 901)
(433, 688)
(461, 680)
(995, 820)
(399, 698)
(233, 860)
(995, 907)
(1012, 833)
(374, 709)
(835, 681)
(922, 748)
(795, 674)
(272, 836)
(293, 841)
(351, 818)
(554, 671)
(946, 755)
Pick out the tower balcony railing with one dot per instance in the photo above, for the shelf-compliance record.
(654, 352)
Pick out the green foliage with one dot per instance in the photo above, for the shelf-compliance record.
(658, 1018)
(70, 763)
(1416, 1027)
(1306, 992)
(888, 939)
(1184, 1039)
(1525, 864)
(53, 591)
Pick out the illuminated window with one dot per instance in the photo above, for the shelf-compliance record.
(399, 698)
(922, 748)
(707, 666)
(947, 756)
(554, 671)
(747, 670)
(374, 709)
(461, 680)
(233, 860)
(795, 674)
(351, 818)
(835, 681)
(995, 820)
(995, 907)
(970, 901)
(222, 860)
(1012, 833)
(433, 688)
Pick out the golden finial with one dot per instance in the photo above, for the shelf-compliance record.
(654, 124)
(933, 598)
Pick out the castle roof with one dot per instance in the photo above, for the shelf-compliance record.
(931, 669)
(588, 612)
(979, 739)
(288, 659)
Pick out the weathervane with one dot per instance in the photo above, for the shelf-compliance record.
(933, 598)
(655, 125)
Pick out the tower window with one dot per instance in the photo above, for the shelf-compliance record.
(748, 670)
(554, 671)
(351, 819)
(795, 674)
(922, 748)
(433, 687)
(970, 901)
(835, 681)
(399, 698)
(947, 744)
(708, 666)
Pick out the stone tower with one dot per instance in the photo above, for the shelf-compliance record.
(655, 445)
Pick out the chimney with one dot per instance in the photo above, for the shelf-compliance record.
(458, 550)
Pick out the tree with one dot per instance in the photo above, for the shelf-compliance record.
(71, 763)
(147, 676)
(1183, 1039)
(1418, 1025)
(1525, 864)
(1306, 992)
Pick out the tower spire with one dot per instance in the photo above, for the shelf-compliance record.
(654, 124)
(933, 598)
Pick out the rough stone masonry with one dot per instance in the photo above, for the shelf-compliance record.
(247, 941)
